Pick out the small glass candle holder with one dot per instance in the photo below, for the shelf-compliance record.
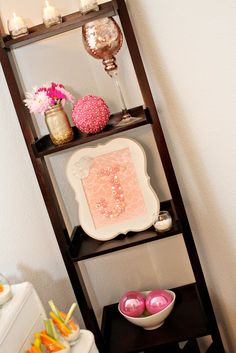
(5, 290)
(17, 27)
(51, 16)
(88, 5)
(163, 222)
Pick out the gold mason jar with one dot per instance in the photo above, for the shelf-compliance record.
(58, 125)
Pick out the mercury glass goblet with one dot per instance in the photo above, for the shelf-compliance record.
(103, 39)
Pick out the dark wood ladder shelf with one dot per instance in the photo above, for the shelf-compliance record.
(193, 315)
(186, 321)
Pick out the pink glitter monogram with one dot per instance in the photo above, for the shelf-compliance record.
(112, 189)
(117, 193)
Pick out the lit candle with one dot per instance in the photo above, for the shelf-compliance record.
(163, 222)
(88, 5)
(49, 11)
(50, 15)
(16, 22)
(17, 26)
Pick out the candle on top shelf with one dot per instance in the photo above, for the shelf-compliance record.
(17, 27)
(50, 15)
(88, 5)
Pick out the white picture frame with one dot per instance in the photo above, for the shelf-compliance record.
(117, 167)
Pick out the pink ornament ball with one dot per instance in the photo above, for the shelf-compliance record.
(157, 300)
(132, 304)
(90, 114)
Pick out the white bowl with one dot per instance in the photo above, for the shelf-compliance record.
(154, 321)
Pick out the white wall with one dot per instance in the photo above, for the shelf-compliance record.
(189, 52)
(28, 250)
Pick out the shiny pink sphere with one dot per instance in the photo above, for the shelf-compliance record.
(157, 300)
(132, 304)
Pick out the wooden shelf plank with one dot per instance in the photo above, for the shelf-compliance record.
(212, 349)
(191, 347)
(186, 321)
(44, 145)
(167, 348)
(69, 22)
(84, 247)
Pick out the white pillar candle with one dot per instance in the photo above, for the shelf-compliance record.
(88, 5)
(16, 23)
(17, 26)
(50, 15)
(49, 11)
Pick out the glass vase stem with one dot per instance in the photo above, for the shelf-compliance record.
(114, 76)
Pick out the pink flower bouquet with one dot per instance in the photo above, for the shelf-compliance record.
(44, 98)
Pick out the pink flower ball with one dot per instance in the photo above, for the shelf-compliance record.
(132, 304)
(157, 300)
(90, 114)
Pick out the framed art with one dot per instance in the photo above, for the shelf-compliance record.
(112, 188)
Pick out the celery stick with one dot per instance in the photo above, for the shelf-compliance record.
(50, 329)
(70, 312)
(55, 310)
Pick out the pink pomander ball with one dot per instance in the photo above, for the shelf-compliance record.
(90, 114)
(157, 300)
(132, 304)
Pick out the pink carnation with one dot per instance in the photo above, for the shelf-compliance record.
(43, 98)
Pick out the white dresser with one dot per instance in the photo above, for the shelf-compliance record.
(23, 315)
